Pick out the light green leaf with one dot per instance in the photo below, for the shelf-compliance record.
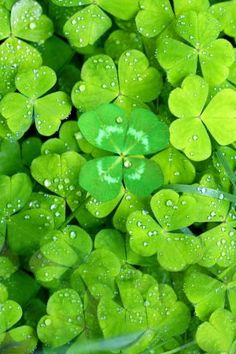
(28, 22)
(17, 110)
(220, 118)
(111, 240)
(144, 233)
(105, 127)
(153, 17)
(102, 174)
(189, 100)
(172, 211)
(64, 320)
(195, 5)
(206, 293)
(34, 83)
(178, 59)
(225, 14)
(141, 176)
(219, 246)
(198, 29)
(99, 85)
(217, 335)
(138, 79)
(190, 136)
(146, 134)
(177, 251)
(176, 167)
(86, 26)
(50, 110)
(99, 272)
(10, 313)
(5, 23)
(58, 173)
(129, 203)
(122, 9)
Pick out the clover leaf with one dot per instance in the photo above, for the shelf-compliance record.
(217, 335)
(29, 105)
(58, 173)
(26, 21)
(189, 133)
(175, 250)
(64, 320)
(200, 31)
(224, 12)
(22, 338)
(135, 83)
(176, 167)
(108, 128)
(10, 312)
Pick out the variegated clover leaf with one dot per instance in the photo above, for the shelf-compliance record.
(134, 84)
(20, 109)
(189, 133)
(199, 33)
(109, 129)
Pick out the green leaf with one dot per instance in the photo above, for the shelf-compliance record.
(10, 157)
(144, 233)
(86, 26)
(141, 176)
(123, 9)
(99, 83)
(119, 41)
(26, 228)
(176, 168)
(102, 209)
(178, 59)
(219, 117)
(22, 339)
(172, 211)
(64, 320)
(111, 240)
(153, 17)
(206, 293)
(196, 5)
(217, 335)
(100, 261)
(219, 246)
(146, 134)
(35, 83)
(10, 313)
(5, 23)
(17, 110)
(30, 150)
(128, 204)
(15, 192)
(58, 173)
(50, 110)
(225, 14)
(102, 174)
(138, 80)
(105, 127)
(28, 22)
(177, 251)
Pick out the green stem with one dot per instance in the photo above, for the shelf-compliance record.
(69, 218)
(203, 191)
(226, 271)
(177, 350)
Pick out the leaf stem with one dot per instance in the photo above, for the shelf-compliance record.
(227, 167)
(177, 350)
(203, 191)
(69, 218)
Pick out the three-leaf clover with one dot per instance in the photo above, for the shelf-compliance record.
(135, 83)
(189, 133)
(200, 31)
(109, 129)
(20, 109)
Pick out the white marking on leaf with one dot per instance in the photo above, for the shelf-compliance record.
(137, 175)
(140, 136)
(105, 133)
(104, 175)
